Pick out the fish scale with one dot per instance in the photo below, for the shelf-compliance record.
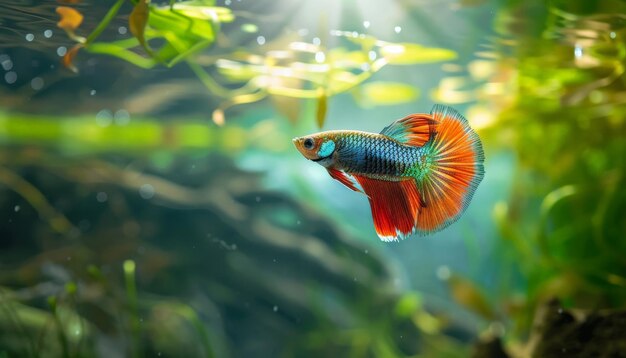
(376, 155)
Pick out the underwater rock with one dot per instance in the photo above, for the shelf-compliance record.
(489, 348)
(567, 333)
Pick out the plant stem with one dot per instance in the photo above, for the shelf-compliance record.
(105, 22)
(131, 292)
(36, 199)
(52, 302)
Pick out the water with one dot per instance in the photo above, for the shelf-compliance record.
(153, 204)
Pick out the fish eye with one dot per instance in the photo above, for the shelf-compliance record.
(308, 143)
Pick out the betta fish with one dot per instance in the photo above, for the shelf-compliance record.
(419, 173)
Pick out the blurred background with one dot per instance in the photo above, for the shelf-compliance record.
(152, 203)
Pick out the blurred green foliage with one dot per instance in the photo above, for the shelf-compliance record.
(262, 272)
(551, 90)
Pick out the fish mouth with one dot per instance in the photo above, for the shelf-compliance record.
(308, 154)
(297, 141)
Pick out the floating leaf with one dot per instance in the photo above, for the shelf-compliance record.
(387, 93)
(137, 21)
(322, 107)
(70, 18)
(68, 59)
(409, 54)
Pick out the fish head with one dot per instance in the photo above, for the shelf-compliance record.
(318, 147)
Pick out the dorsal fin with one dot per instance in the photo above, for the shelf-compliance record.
(414, 129)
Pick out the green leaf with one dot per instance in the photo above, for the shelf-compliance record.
(115, 49)
(196, 10)
(166, 21)
(387, 93)
(409, 54)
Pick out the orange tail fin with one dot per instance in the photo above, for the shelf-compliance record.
(456, 169)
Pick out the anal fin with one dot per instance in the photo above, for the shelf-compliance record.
(395, 206)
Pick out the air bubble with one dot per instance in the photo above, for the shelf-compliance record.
(260, 40)
(578, 51)
(61, 51)
(47, 34)
(102, 197)
(397, 29)
(146, 191)
(10, 77)
(5, 62)
(37, 83)
(443, 273)
(122, 117)
(104, 118)
(320, 57)
(30, 37)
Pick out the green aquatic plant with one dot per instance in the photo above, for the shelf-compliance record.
(551, 91)
(301, 70)
(182, 28)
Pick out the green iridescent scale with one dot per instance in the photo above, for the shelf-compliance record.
(377, 156)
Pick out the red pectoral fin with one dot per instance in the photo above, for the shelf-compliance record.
(395, 206)
(342, 178)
